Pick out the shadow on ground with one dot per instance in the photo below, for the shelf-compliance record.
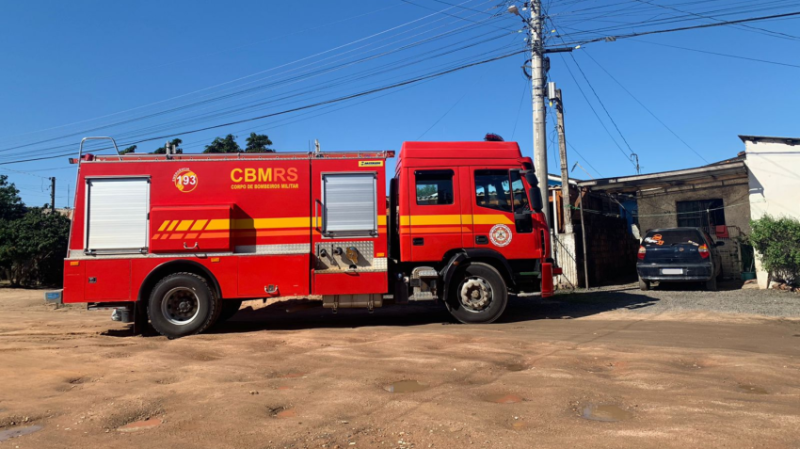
(305, 314)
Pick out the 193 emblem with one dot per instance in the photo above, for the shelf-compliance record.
(500, 235)
(185, 180)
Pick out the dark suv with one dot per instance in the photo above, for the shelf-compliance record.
(679, 255)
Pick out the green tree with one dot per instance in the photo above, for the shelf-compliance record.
(225, 144)
(32, 248)
(130, 149)
(175, 143)
(778, 245)
(11, 206)
(258, 143)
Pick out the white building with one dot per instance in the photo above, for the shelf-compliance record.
(774, 179)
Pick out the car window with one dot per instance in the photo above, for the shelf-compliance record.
(673, 237)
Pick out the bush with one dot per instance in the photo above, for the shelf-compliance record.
(32, 248)
(778, 244)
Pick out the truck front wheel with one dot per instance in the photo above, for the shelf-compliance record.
(478, 294)
(182, 304)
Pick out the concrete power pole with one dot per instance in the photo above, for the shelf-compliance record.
(562, 150)
(538, 75)
(53, 194)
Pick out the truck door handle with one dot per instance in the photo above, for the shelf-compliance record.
(187, 247)
(418, 241)
(481, 240)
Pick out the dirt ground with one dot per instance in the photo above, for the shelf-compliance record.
(577, 371)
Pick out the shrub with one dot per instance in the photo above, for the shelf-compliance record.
(778, 244)
(32, 248)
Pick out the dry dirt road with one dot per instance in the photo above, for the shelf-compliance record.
(307, 378)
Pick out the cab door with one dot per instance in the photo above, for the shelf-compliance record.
(435, 213)
(499, 217)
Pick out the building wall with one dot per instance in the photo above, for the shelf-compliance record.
(774, 178)
(659, 210)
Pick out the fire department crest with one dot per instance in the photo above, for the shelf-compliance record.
(500, 235)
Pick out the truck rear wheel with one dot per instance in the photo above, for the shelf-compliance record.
(182, 304)
(478, 295)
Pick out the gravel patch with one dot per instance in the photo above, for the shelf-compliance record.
(674, 298)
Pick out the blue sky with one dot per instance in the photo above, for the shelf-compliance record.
(87, 64)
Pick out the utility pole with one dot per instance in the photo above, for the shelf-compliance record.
(538, 75)
(53, 194)
(562, 150)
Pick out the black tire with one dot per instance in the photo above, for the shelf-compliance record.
(182, 304)
(229, 309)
(643, 285)
(711, 284)
(476, 277)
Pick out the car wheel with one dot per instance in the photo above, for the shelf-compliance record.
(182, 304)
(478, 295)
(644, 285)
(711, 284)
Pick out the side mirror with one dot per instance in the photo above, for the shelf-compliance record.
(535, 198)
(719, 243)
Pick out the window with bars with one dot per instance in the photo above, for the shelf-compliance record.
(701, 213)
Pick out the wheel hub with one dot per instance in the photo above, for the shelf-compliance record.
(475, 294)
(180, 306)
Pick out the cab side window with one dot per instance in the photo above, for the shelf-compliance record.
(434, 187)
(492, 190)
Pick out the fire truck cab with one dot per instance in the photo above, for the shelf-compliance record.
(181, 240)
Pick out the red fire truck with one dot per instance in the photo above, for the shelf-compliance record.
(183, 239)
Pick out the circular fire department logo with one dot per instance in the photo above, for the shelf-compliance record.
(185, 180)
(500, 235)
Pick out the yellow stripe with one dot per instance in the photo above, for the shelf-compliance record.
(381, 220)
(272, 223)
(431, 220)
(491, 219)
(185, 224)
(163, 225)
(220, 224)
(426, 220)
(198, 225)
(172, 226)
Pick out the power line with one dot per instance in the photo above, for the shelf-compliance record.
(686, 28)
(746, 58)
(646, 108)
(300, 108)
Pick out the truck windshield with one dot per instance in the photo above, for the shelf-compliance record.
(673, 237)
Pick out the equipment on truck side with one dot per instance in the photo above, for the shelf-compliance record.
(183, 239)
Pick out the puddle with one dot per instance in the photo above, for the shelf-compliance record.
(140, 425)
(752, 389)
(14, 433)
(516, 367)
(405, 386)
(290, 413)
(504, 399)
(520, 425)
(605, 413)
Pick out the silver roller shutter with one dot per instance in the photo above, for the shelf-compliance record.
(349, 201)
(117, 214)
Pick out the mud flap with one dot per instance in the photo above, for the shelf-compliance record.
(547, 280)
